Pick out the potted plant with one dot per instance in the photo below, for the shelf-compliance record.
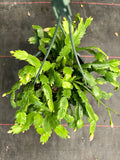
(60, 90)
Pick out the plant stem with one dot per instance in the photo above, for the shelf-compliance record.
(54, 36)
(109, 109)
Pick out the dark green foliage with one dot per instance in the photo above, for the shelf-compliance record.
(60, 92)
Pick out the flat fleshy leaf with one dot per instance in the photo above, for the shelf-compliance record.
(40, 32)
(51, 76)
(51, 31)
(43, 79)
(65, 26)
(97, 48)
(27, 73)
(40, 131)
(86, 65)
(36, 27)
(23, 55)
(114, 62)
(58, 80)
(33, 40)
(67, 85)
(30, 119)
(90, 111)
(68, 118)
(90, 79)
(79, 32)
(91, 50)
(44, 137)
(78, 111)
(53, 121)
(97, 92)
(48, 94)
(20, 117)
(101, 80)
(65, 51)
(100, 65)
(111, 76)
(38, 120)
(33, 99)
(99, 56)
(63, 105)
(12, 100)
(114, 69)
(46, 40)
(19, 54)
(80, 123)
(106, 96)
(16, 129)
(15, 87)
(42, 48)
(81, 94)
(88, 21)
(51, 105)
(46, 66)
(100, 71)
(46, 124)
(115, 84)
(92, 127)
(68, 72)
(33, 61)
(67, 93)
(61, 131)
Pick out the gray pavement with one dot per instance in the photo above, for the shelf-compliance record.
(15, 29)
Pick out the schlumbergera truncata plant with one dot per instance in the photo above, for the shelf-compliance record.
(60, 90)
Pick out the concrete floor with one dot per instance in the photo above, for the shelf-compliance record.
(15, 29)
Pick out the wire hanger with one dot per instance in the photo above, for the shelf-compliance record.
(61, 9)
